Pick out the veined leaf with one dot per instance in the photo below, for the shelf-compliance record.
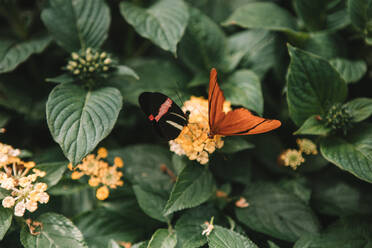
(79, 119)
(194, 186)
(6, 216)
(223, 238)
(54, 172)
(262, 15)
(313, 126)
(164, 23)
(353, 153)
(351, 71)
(57, 231)
(151, 202)
(276, 212)
(162, 238)
(12, 53)
(243, 87)
(235, 144)
(313, 85)
(360, 108)
(77, 24)
(204, 44)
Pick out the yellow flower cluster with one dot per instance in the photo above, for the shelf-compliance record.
(24, 193)
(100, 172)
(293, 157)
(87, 62)
(193, 140)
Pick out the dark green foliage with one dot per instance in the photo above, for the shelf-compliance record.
(71, 72)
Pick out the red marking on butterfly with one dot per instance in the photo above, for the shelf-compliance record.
(236, 122)
(162, 110)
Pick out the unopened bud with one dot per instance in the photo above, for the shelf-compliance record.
(103, 55)
(76, 71)
(74, 55)
(107, 61)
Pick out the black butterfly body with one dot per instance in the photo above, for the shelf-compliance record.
(166, 116)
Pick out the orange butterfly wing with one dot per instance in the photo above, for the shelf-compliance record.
(237, 122)
(215, 102)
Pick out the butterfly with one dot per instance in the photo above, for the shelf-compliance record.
(166, 116)
(236, 122)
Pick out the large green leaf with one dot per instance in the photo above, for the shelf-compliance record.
(262, 15)
(77, 24)
(79, 119)
(353, 153)
(224, 238)
(120, 219)
(142, 166)
(151, 202)
(12, 52)
(350, 232)
(194, 186)
(334, 196)
(324, 44)
(235, 144)
(163, 238)
(313, 85)
(312, 13)
(154, 75)
(6, 216)
(243, 87)
(189, 226)
(163, 23)
(360, 108)
(257, 49)
(276, 212)
(360, 12)
(350, 70)
(204, 44)
(313, 126)
(54, 172)
(57, 231)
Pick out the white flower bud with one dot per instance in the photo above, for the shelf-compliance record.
(76, 72)
(103, 55)
(105, 68)
(91, 69)
(20, 209)
(74, 56)
(7, 183)
(8, 202)
(107, 61)
(44, 197)
(31, 206)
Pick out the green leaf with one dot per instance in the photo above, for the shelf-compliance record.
(77, 24)
(79, 119)
(163, 75)
(350, 70)
(235, 144)
(61, 79)
(57, 231)
(194, 186)
(333, 196)
(151, 202)
(360, 12)
(162, 238)
(125, 223)
(360, 108)
(262, 15)
(313, 85)
(204, 44)
(353, 153)
(239, 164)
(122, 70)
(13, 53)
(142, 166)
(6, 216)
(163, 23)
(243, 87)
(189, 226)
(256, 48)
(4, 193)
(350, 232)
(4, 118)
(324, 44)
(223, 238)
(312, 13)
(313, 126)
(54, 172)
(68, 187)
(276, 212)
(272, 244)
